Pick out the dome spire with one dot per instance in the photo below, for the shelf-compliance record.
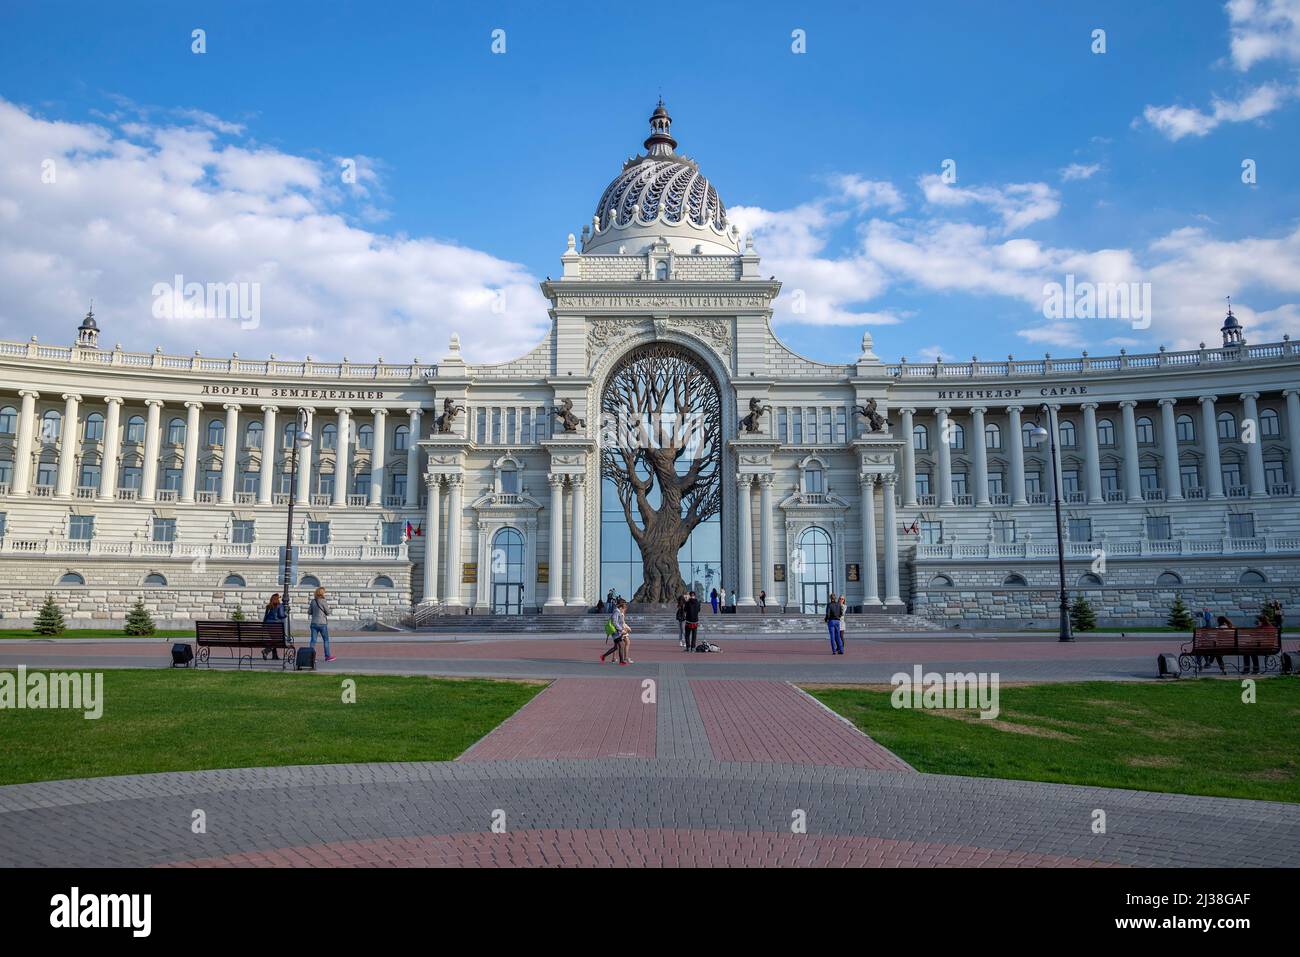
(660, 142)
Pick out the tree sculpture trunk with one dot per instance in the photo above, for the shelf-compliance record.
(661, 425)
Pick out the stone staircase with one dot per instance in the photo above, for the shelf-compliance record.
(658, 623)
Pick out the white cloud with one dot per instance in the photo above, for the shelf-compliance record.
(1018, 204)
(1175, 122)
(1263, 30)
(869, 194)
(147, 195)
(1076, 171)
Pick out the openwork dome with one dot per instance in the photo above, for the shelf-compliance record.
(661, 193)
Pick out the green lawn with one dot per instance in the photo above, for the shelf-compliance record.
(96, 633)
(1191, 737)
(187, 720)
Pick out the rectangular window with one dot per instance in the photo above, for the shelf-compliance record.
(398, 485)
(361, 483)
(813, 481)
(1004, 531)
(783, 424)
(1274, 473)
(1080, 529)
(285, 483)
(3, 519)
(392, 532)
(90, 475)
(826, 425)
(1190, 477)
(796, 427)
(922, 483)
(526, 425)
(1241, 525)
(211, 480)
(1110, 480)
(164, 530)
(958, 483)
(841, 424)
(931, 533)
(325, 484)
(251, 480)
(81, 528)
(1148, 479)
(810, 425)
(1231, 475)
(241, 531)
(46, 473)
(172, 479)
(496, 426)
(1158, 528)
(511, 424)
(995, 483)
(1033, 482)
(6, 471)
(1069, 480)
(318, 533)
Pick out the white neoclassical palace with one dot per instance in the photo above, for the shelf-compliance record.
(506, 488)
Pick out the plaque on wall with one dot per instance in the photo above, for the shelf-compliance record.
(543, 573)
(851, 573)
(778, 573)
(469, 574)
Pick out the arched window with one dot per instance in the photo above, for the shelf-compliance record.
(155, 580)
(8, 420)
(135, 428)
(1252, 577)
(290, 433)
(1268, 423)
(1186, 428)
(383, 581)
(71, 578)
(1014, 581)
(233, 581)
(814, 480)
(216, 432)
(1066, 430)
(366, 437)
(309, 581)
(176, 432)
(507, 572)
(920, 438)
(1105, 432)
(1169, 578)
(1089, 580)
(253, 435)
(815, 569)
(509, 480)
(940, 581)
(1227, 425)
(401, 438)
(992, 436)
(94, 427)
(957, 435)
(1145, 432)
(1027, 434)
(51, 426)
(329, 436)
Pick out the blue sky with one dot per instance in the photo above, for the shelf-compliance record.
(474, 166)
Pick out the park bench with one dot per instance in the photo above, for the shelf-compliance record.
(243, 638)
(1210, 643)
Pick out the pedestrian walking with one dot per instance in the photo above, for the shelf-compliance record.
(319, 610)
(609, 603)
(274, 613)
(620, 633)
(722, 600)
(713, 600)
(834, 615)
(681, 620)
(692, 622)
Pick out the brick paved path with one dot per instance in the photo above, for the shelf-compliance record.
(715, 765)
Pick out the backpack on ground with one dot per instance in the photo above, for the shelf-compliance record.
(306, 659)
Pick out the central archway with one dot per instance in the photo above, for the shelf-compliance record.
(661, 475)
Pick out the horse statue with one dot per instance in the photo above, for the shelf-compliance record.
(756, 409)
(564, 412)
(875, 421)
(449, 412)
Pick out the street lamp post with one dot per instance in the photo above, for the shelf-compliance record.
(1050, 434)
(302, 437)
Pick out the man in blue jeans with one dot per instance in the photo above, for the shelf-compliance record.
(832, 619)
(320, 621)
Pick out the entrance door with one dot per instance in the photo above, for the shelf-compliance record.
(815, 569)
(507, 565)
(815, 596)
(507, 599)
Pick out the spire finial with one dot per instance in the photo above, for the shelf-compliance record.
(660, 142)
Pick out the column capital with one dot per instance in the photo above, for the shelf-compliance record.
(1291, 392)
(154, 403)
(344, 411)
(455, 481)
(71, 397)
(907, 410)
(555, 479)
(432, 480)
(29, 394)
(1252, 396)
(889, 478)
(1166, 401)
(941, 410)
(265, 408)
(415, 411)
(1127, 403)
(1017, 409)
(868, 479)
(231, 406)
(1088, 405)
(744, 478)
(192, 404)
(577, 480)
(379, 413)
(1207, 399)
(977, 409)
(113, 399)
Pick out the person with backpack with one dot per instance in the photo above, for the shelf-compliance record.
(681, 620)
(274, 613)
(320, 621)
(609, 603)
(691, 622)
(619, 634)
(834, 615)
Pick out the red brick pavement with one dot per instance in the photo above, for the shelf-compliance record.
(575, 718)
(637, 847)
(768, 721)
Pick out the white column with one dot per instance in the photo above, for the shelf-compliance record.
(304, 458)
(745, 539)
(870, 572)
(112, 445)
(577, 586)
(377, 455)
(23, 452)
(190, 465)
(891, 543)
(1169, 449)
(1255, 449)
(1132, 484)
(765, 555)
(455, 483)
(1016, 447)
(909, 459)
(980, 456)
(555, 584)
(1293, 437)
(1091, 454)
(68, 445)
(266, 477)
(413, 460)
(341, 457)
(944, 451)
(432, 514)
(149, 485)
(1210, 443)
(230, 454)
